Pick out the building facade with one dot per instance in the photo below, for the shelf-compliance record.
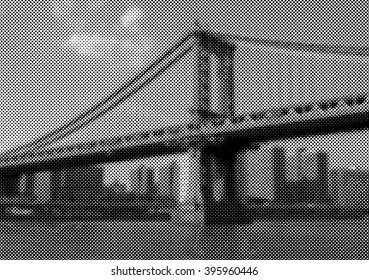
(135, 177)
(349, 188)
(79, 184)
(260, 175)
(168, 182)
(142, 182)
(307, 177)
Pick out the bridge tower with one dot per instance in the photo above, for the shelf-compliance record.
(214, 92)
(212, 161)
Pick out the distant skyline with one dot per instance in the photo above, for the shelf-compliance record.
(61, 57)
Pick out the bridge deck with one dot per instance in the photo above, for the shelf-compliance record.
(272, 124)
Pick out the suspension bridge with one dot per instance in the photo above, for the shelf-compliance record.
(214, 134)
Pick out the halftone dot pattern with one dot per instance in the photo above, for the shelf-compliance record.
(268, 199)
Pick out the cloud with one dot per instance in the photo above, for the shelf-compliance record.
(86, 38)
(92, 44)
(130, 17)
(131, 50)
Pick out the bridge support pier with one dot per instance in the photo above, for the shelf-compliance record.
(213, 175)
(213, 162)
(9, 184)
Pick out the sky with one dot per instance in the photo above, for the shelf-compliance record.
(61, 57)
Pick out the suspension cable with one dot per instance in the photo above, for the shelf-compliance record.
(297, 46)
(39, 141)
(89, 119)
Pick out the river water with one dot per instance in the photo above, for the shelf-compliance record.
(295, 239)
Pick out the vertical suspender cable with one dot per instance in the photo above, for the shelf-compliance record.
(44, 138)
(117, 102)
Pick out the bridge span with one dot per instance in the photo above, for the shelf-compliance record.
(345, 114)
(214, 134)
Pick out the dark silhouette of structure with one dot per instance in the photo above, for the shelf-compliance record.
(214, 136)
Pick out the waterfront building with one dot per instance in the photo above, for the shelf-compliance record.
(148, 187)
(78, 184)
(349, 188)
(58, 188)
(267, 175)
(323, 178)
(28, 180)
(294, 182)
(136, 179)
(310, 165)
(315, 176)
(42, 186)
(293, 173)
(164, 181)
(142, 182)
(307, 177)
(118, 187)
(84, 182)
(168, 182)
